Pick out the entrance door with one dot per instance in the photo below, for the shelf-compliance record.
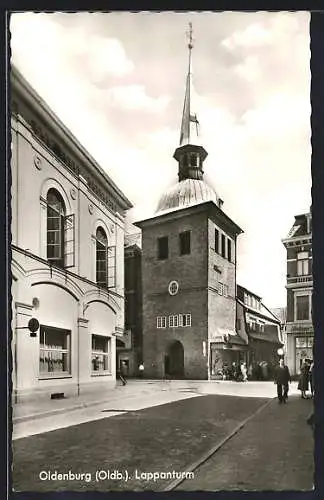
(174, 361)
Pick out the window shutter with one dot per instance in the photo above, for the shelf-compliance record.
(111, 267)
(181, 320)
(69, 241)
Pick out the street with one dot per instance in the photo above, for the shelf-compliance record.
(176, 435)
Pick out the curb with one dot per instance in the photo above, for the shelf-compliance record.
(194, 465)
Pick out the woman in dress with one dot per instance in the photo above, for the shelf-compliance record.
(244, 371)
(304, 379)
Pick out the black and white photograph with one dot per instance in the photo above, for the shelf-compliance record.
(161, 251)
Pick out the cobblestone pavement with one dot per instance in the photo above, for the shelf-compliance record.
(273, 451)
(163, 439)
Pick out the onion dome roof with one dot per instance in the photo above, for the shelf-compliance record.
(186, 193)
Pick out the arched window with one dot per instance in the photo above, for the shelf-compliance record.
(194, 160)
(101, 257)
(55, 227)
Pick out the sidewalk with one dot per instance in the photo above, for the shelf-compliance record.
(273, 451)
(33, 410)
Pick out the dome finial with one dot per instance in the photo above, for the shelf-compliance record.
(190, 154)
(188, 118)
(189, 35)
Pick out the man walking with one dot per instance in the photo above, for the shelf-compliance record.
(282, 379)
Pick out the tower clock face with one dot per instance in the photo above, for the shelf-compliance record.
(173, 287)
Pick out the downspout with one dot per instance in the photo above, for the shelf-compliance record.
(16, 358)
(78, 272)
(208, 347)
(78, 374)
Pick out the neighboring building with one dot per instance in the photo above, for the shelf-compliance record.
(67, 255)
(299, 326)
(189, 269)
(281, 314)
(130, 348)
(261, 326)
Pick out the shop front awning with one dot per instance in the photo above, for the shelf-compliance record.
(226, 335)
(271, 338)
(227, 339)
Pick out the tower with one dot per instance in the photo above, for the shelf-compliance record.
(188, 267)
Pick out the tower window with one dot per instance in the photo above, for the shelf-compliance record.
(163, 247)
(229, 250)
(184, 240)
(216, 241)
(223, 246)
(194, 160)
(185, 160)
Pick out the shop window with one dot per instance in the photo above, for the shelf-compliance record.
(100, 354)
(184, 241)
(55, 352)
(60, 231)
(163, 247)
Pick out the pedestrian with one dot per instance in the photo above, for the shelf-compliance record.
(244, 371)
(282, 379)
(141, 370)
(237, 372)
(304, 379)
(122, 373)
(311, 378)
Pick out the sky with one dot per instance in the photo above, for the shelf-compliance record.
(117, 81)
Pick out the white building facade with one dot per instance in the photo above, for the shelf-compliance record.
(67, 256)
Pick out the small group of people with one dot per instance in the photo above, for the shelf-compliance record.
(237, 371)
(123, 372)
(306, 379)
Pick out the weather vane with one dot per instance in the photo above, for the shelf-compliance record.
(189, 36)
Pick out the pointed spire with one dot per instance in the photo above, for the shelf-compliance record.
(189, 124)
(190, 154)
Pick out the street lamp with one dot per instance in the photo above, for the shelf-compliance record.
(280, 352)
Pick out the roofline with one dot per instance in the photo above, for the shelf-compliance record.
(296, 238)
(180, 213)
(26, 92)
(247, 290)
(258, 313)
(305, 214)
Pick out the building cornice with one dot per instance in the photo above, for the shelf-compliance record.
(307, 238)
(179, 213)
(65, 272)
(40, 108)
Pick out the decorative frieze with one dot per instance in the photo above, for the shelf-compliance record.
(71, 164)
(38, 162)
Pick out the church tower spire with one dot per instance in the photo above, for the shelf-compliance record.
(190, 155)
